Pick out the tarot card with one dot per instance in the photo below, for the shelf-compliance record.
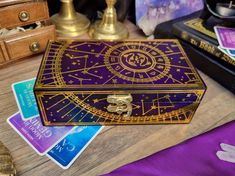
(39, 137)
(225, 51)
(67, 151)
(226, 37)
(231, 52)
(25, 99)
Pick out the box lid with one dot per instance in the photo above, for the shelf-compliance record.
(115, 66)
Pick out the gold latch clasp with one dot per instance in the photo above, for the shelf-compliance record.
(120, 104)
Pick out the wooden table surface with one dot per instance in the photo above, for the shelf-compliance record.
(115, 145)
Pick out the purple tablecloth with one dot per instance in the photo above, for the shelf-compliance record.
(194, 157)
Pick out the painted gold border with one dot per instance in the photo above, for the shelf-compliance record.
(199, 84)
(191, 107)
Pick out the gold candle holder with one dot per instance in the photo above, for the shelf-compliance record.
(68, 22)
(109, 28)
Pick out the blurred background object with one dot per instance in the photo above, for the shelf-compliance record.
(68, 22)
(109, 28)
(7, 167)
(220, 12)
(150, 13)
(91, 7)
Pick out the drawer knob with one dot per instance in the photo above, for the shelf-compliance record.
(34, 47)
(120, 104)
(24, 16)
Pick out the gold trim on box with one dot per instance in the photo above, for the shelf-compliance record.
(117, 119)
(57, 75)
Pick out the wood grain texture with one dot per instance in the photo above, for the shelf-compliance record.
(114, 146)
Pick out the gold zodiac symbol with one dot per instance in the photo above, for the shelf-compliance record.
(120, 104)
(137, 59)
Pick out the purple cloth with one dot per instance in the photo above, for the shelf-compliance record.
(194, 157)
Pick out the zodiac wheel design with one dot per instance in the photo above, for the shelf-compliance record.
(139, 63)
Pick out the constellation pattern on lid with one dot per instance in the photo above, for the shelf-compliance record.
(107, 65)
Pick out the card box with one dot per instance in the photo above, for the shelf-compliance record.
(125, 82)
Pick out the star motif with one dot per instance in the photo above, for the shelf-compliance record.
(154, 107)
(95, 100)
(167, 96)
(71, 82)
(188, 95)
(178, 70)
(114, 81)
(74, 63)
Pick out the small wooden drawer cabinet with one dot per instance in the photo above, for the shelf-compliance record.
(21, 13)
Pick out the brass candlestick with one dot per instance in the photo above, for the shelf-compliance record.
(68, 22)
(109, 28)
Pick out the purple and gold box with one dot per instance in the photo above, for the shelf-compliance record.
(126, 82)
